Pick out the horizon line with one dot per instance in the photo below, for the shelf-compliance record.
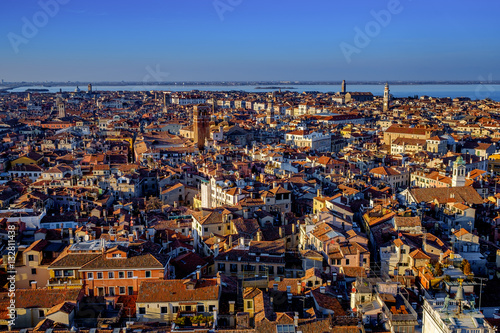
(243, 82)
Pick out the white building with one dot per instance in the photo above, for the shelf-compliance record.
(452, 316)
(314, 140)
(187, 99)
(219, 192)
(32, 171)
(29, 216)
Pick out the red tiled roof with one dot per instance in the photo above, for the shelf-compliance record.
(178, 290)
(384, 171)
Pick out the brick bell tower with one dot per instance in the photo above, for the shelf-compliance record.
(201, 125)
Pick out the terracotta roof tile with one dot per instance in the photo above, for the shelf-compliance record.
(178, 290)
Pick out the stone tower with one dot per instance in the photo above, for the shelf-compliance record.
(166, 101)
(458, 179)
(61, 111)
(270, 112)
(89, 88)
(386, 97)
(343, 90)
(201, 124)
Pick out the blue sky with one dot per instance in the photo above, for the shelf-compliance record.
(248, 40)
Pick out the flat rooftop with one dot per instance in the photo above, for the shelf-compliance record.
(467, 318)
(95, 245)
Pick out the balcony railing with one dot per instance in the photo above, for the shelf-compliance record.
(54, 282)
(410, 316)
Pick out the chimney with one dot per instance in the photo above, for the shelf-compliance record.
(259, 236)
(322, 290)
(198, 272)
(33, 284)
(215, 317)
(293, 229)
(230, 241)
(296, 319)
(130, 238)
(218, 279)
(71, 240)
(320, 193)
(328, 282)
(281, 231)
(299, 287)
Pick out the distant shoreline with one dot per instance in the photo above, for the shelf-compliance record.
(258, 84)
(275, 87)
(36, 90)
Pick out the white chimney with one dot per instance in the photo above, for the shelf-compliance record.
(215, 317)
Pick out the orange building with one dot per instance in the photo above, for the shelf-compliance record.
(116, 272)
(108, 268)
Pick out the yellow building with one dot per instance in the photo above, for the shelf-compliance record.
(494, 163)
(319, 203)
(122, 138)
(346, 131)
(248, 300)
(34, 272)
(196, 203)
(29, 158)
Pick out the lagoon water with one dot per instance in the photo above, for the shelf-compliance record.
(473, 91)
